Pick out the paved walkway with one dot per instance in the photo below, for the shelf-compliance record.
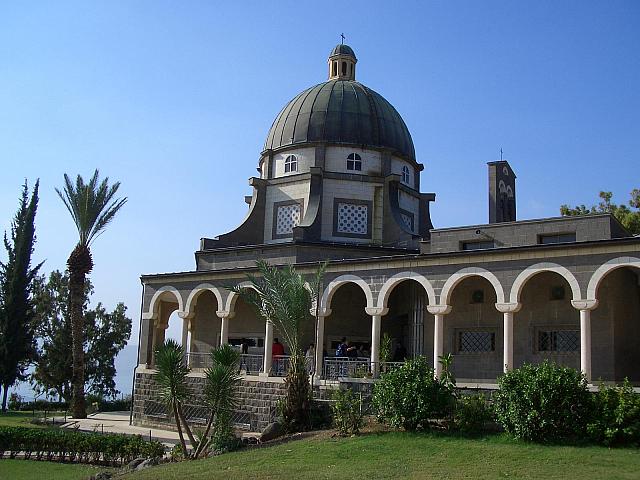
(118, 422)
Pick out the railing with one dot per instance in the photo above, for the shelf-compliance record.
(251, 364)
(197, 414)
(248, 364)
(361, 367)
(280, 365)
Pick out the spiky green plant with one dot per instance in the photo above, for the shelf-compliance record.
(220, 392)
(283, 297)
(172, 378)
(92, 207)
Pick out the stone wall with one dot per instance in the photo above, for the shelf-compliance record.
(258, 399)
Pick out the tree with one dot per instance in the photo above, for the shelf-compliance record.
(92, 207)
(628, 216)
(104, 336)
(16, 307)
(283, 297)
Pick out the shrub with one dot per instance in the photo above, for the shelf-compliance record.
(543, 403)
(616, 416)
(471, 414)
(410, 397)
(62, 445)
(347, 411)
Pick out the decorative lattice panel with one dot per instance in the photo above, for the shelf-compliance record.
(287, 218)
(476, 342)
(408, 220)
(558, 340)
(352, 218)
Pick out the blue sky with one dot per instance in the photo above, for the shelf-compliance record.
(174, 99)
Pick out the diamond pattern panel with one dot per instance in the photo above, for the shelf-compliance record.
(477, 341)
(558, 341)
(408, 221)
(287, 218)
(352, 218)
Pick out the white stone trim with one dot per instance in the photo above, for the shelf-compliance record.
(532, 270)
(336, 283)
(152, 312)
(233, 297)
(460, 275)
(604, 269)
(195, 293)
(391, 283)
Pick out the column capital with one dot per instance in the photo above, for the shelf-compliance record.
(508, 307)
(584, 304)
(320, 312)
(225, 314)
(186, 315)
(373, 311)
(439, 309)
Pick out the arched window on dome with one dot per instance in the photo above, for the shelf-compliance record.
(344, 68)
(406, 176)
(354, 162)
(290, 164)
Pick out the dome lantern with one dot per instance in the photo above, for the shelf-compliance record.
(342, 63)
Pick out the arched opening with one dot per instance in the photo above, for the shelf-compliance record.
(165, 323)
(407, 324)
(547, 326)
(247, 334)
(344, 68)
(349, 321)
(615, 327)
(473, 331)
(204, 331)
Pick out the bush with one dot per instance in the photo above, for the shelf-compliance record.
(66, 445)
(616, 416)
(41, 405)
(410, 397)
(543, 403)
(471, 414)
(347, 411)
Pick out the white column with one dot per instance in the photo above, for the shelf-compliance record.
(507, 350)
(224, 330)
(319, 345)
(185, 334)
(585, 307)
(438, 311)
(585, 343)
(268, 344)
(376, 323)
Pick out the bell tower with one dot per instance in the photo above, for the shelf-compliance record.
(342, 63)
(502, 192)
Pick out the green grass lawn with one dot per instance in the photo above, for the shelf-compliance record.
(406, 455)
(34, 470)
(23, 419)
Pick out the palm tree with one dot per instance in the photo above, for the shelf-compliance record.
(283, 297)
(92, 207)
(172, 377)
(220, 392)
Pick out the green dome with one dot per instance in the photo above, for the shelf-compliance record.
(342, 49)
(341, 112)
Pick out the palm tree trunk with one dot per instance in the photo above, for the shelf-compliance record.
(182, 442)
(76, 300)
(204, 441)
(4, 397)
(187, 429)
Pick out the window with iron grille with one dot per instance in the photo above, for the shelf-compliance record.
(561, 341)
(476, 341)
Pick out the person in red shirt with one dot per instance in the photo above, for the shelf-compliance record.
(277, 351)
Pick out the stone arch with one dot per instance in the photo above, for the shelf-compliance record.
(230, 304)
(456, 278)
(336, 283)
(604, 269)
(527, 273)
(153, 304)
(196, 292)
(393, 281)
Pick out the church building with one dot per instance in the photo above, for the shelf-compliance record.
(339, 181)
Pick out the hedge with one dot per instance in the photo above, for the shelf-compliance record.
(74, 446)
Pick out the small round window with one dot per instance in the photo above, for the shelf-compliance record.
(354, 162)
(406, 176)
(290, 164)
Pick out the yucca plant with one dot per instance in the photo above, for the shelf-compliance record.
(220, 392)
(92, 207)
(172, 377)
(283, 297)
